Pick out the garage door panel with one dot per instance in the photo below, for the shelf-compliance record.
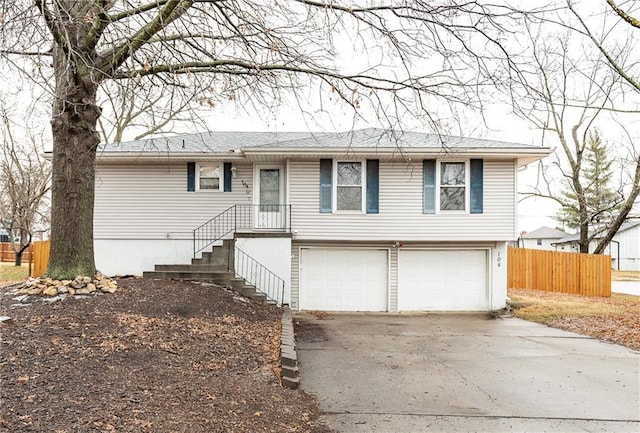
(343, 280)
(445, 280)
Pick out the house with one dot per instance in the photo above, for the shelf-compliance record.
(624, 249)
(368, 220)
(542, 238)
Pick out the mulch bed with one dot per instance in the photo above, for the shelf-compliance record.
(156, 356)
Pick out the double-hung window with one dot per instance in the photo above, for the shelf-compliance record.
(209, 177)
(453, 185)
(349, 186)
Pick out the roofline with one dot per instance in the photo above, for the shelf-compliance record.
(523, 155)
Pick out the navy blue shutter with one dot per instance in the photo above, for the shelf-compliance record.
(191, 176)
(476, 191)
(429, 186)
(373, 185)
(326, 187)
(227, 177)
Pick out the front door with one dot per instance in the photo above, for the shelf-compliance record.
(270, 209)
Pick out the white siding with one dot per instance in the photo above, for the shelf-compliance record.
(152, 202)
(629, 241)
(546, 244)
(400, 217)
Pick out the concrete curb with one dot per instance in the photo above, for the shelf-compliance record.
(288, 355)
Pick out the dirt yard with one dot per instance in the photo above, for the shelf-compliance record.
(156, 356)
(615, 319)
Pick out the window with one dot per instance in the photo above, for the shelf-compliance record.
(349, 186)
(452, 186)
(209, 177)
(538, 241)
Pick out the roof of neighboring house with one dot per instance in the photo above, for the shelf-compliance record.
(544, 233)
(363, 142)
(576, 236)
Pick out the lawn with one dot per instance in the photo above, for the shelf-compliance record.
(615, 319)
(625, 275)
(10, 273)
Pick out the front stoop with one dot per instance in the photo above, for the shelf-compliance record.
(288, 355)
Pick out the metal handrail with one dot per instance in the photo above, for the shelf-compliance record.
(275, 217)
(256, 274)
(213, 230)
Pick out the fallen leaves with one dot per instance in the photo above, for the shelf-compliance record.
(615, 319)
(156, 356)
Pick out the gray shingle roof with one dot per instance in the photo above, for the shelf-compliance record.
(576, 236)
(206, 142)
(223, 142)
(545, 233)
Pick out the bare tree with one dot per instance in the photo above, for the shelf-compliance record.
(565, 96)
(408, 56)
(25, 179)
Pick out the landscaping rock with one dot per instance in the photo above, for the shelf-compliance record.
(80, 285)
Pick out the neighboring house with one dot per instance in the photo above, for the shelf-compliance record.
(624, 249)
(360, 221)
(542, 238)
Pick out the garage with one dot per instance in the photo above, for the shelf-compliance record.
(343, 279)
(443, 280)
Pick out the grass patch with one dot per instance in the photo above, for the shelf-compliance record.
(615, 319)
(625, 275)
(10, 273)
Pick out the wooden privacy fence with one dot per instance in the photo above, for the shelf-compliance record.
(40, 258)
(582, 274)
(7, 254)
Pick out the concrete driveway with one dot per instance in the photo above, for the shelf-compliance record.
(464, 373)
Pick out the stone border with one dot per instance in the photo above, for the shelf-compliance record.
(288, 355)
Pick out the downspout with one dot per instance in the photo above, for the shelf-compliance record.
(618, 256)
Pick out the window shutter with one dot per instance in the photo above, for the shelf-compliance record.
(227, 177)
(191, 176)
(429, 186)
(326, 187)
(373, 184)
(476, 190)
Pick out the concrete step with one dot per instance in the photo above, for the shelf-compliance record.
(258, 297)
(247, 290)
(191, 268)
(218, 277)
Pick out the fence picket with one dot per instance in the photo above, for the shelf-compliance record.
(583, 274)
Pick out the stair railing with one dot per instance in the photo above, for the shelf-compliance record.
(257, 275)
(257, 217)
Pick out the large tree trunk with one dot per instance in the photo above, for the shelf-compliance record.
(74, 123)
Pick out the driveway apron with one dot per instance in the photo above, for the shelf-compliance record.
(464, 373)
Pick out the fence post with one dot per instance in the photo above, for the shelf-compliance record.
(30, 257)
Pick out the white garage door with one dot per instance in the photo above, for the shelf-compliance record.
(444, 280)
(343, 280)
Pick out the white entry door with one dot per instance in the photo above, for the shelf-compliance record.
(269, 199)
(343, 279)
(442, 280)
